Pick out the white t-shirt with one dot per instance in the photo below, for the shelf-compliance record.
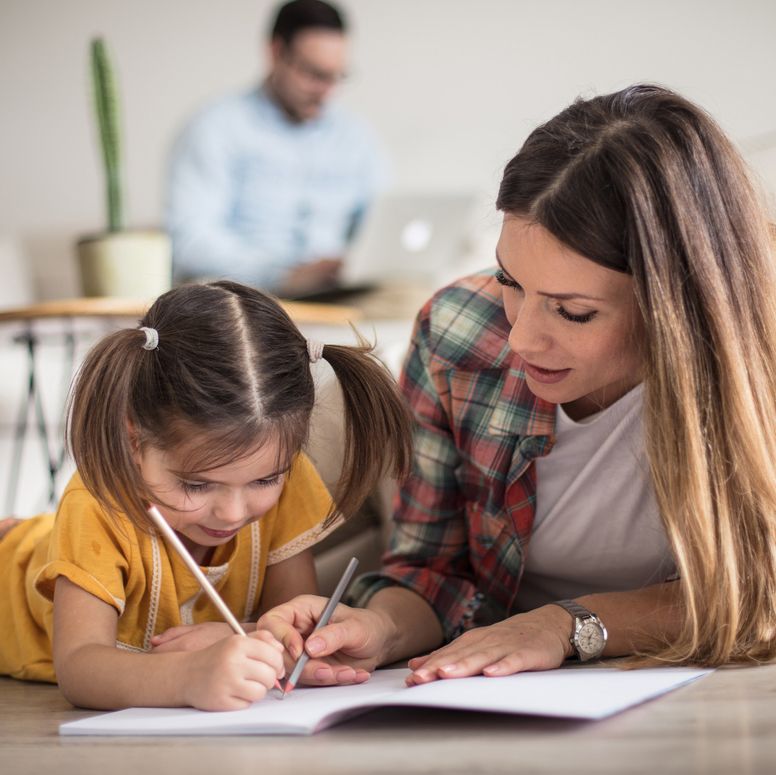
(597, 527)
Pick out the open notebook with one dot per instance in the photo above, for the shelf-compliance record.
(579, 693)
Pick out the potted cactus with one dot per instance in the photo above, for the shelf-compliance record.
(118, 262)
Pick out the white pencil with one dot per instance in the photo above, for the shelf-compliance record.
(161, 523)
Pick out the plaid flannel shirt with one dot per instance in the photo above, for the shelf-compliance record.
(465, 514)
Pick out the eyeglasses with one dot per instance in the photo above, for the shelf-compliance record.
(313, 73)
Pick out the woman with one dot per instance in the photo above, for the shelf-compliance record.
(594, 469)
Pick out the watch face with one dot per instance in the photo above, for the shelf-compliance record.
(590, 639)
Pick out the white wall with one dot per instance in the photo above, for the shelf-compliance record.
(453, 87)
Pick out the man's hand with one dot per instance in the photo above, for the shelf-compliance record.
(307, 278)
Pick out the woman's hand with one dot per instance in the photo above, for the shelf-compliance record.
(234, 672)
(192, 637)
(345, 651)
(536, 640)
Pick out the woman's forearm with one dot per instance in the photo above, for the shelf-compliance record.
(637, 620)
(410, 624)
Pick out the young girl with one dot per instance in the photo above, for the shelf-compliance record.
(595, 440)
(203, 410)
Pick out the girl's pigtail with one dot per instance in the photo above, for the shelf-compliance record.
(378, 425)
(101, 425)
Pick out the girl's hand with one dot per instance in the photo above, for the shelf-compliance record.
(345, 651)
(536, 640)
(191, 637)
(233, 673)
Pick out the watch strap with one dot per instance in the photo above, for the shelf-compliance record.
(580, 614)
(575, 609)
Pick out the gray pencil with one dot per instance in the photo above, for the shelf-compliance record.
(336, 596)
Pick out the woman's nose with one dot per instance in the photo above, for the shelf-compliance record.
(527, 334)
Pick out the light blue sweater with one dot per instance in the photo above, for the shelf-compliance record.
(253, 194)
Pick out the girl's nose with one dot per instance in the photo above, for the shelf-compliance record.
(231, 508)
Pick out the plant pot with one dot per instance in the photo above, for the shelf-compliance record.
(126, 264)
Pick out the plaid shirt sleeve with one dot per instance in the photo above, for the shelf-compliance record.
(429, 547)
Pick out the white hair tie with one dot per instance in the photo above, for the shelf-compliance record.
(314, 350)
(152, 338)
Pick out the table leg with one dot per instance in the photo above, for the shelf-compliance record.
(32, 402)
(20, 430)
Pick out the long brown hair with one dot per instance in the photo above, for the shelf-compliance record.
(644, 182)
(231, 366)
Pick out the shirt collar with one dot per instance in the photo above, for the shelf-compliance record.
(269, 104)
(518, 411)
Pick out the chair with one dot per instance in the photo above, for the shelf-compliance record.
(363, 535)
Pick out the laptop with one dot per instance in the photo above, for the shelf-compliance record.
(406, 238)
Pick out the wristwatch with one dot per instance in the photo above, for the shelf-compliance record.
(589, 634)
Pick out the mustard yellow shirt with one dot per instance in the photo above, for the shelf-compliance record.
(133, 571)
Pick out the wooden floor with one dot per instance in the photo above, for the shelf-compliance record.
(725, 723)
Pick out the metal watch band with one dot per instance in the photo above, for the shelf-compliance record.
(574, 608)
(581, 614)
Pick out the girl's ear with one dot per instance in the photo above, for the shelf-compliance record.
(134, 441)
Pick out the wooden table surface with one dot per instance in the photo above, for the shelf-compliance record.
(300, 311)
(724, 724)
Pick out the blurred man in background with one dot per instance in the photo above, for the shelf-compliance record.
(268, 186)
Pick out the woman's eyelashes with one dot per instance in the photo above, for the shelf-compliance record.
(508, 282)
(571, 317)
